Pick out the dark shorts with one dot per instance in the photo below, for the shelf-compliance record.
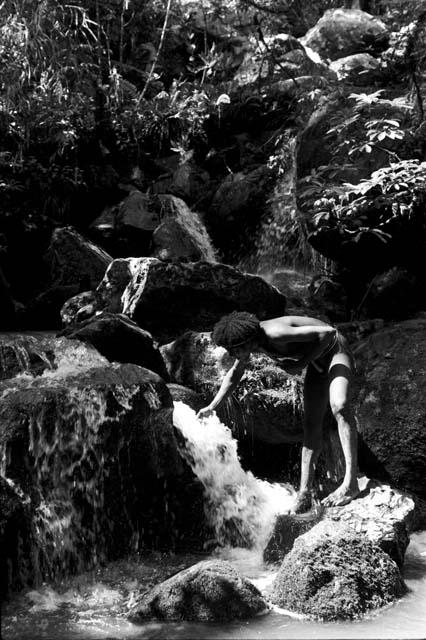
(340, 345)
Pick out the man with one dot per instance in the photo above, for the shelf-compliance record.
(296, 342)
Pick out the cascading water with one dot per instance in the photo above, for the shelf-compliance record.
(239, 507)
(65, 428)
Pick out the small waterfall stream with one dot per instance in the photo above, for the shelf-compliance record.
(239, 507)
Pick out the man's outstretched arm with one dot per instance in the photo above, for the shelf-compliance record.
(229, 382)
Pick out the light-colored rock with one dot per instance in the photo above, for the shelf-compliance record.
(342, 32)
(359, 68)
(209, 591)
(381, 515)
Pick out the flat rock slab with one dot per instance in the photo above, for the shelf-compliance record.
(209, 591)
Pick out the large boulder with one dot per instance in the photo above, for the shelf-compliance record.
(342, 32)
(210, 591)
(93, 445)
(333, 574)
(74, 260)
(169, 298)
(181, 233)
(119, 339)
(73, 264)
(381, 514)
(391, 405)
(160, 224)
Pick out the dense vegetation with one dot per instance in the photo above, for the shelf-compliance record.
(97, 96)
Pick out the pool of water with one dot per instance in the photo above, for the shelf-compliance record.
(93, 606)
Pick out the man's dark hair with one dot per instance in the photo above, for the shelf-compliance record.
(236, 329)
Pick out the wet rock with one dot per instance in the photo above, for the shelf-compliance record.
(180, 393)
(342, 32)
(93, 445)
(195, 294)
(332, 574)
(288, 527)
(74, 260)
(359, 69)
(80, 307)
(119, 339)
(26, 354)
(194, 361)
(391, 405)
(210, 591)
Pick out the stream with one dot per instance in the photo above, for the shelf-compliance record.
(240, 508)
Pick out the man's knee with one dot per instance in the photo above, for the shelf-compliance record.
(340, 408)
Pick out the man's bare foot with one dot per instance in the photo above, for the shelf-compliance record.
(343, 495)
(303, 502)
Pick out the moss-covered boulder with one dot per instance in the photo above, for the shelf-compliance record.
(332, 574)
(210, 591)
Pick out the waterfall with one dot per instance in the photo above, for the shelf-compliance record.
(64, 428)
(240, 508)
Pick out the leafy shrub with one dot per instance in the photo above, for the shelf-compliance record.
(393, 194)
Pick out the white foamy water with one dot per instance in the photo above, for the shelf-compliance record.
(240, 508)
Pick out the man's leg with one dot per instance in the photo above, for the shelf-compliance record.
(340, 375)
(315, 404)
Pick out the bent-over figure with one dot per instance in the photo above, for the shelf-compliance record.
(296, 342)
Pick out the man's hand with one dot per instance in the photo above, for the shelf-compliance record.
(205, 412)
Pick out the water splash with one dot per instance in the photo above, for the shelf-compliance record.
(240, 508)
